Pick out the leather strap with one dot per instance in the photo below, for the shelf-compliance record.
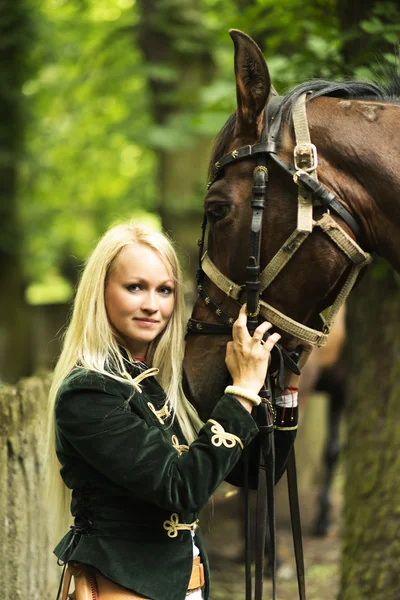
(202, 327)
(111, 591)
(266, 506)
(260, 149)
(197, 578)
(84, 581)
(325, 197)
(247, 526)
(66, 582)
(296, 523)
(91, 585)
(265, 501)
(230, 288)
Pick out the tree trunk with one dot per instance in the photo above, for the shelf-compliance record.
(371, 550)
(15, 36)
(28, 567)
(171, 38)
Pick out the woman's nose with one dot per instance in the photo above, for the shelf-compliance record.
(149, 302)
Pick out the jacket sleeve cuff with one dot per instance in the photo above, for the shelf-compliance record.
(286, 419)
(235, 419)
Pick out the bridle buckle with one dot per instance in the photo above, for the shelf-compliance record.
(305, 157)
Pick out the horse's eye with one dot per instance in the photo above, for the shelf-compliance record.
(217, 210)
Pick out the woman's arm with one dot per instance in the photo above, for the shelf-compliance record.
(92, 419)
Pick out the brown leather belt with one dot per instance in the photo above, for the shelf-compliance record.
(91, 585)
(197, 577)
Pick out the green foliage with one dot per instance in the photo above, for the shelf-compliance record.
(93, 143)
(17, 35)
(87, 161)
(384, 22)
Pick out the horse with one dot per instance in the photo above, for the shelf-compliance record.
(353, 129)
(342, 167)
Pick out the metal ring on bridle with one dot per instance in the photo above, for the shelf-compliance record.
(296, 175)
(261, 168)
(254, 314)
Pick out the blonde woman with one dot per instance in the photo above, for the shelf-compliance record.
(128, 445)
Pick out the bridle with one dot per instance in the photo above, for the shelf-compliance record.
(310, 193)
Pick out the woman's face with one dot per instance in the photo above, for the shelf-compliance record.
(139, 297)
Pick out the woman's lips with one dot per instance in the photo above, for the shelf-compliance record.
(148, 322)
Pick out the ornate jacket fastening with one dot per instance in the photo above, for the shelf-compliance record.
(179, 447)
(222, 438)
(162, 414)
(172, 526)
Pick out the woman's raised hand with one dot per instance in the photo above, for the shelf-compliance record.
(247, 357)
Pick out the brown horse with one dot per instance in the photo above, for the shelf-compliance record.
(354, 128)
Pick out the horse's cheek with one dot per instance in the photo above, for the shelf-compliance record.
(205, 373)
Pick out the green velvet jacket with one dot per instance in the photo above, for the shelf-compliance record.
(133, 483)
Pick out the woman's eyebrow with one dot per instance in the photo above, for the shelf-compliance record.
(137, 279)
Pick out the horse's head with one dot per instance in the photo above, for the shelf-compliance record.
(309, 282)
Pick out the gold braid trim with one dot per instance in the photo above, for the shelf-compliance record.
(286, 428)
(161, 414)
(152, 372)
(179, 447)
(220, 438)
(172, 525)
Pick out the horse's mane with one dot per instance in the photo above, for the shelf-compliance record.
(360, 90)
(357, 90)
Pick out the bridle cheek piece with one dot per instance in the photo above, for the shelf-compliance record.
(310, 193)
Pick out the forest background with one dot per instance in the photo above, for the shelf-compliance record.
(108, 109)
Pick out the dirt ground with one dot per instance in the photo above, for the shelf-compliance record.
(225, 547)
(322, 576)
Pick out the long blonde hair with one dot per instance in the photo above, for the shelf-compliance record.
(89, 342)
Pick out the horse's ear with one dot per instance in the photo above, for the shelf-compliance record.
(253, 84)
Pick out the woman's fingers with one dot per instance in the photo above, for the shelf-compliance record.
(261, 330)
(247, 357)
(271, 341)
(240, 331)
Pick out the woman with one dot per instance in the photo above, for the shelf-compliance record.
(132, 449)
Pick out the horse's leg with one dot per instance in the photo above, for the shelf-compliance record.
(332, 381)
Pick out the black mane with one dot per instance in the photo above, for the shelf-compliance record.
(360, 90)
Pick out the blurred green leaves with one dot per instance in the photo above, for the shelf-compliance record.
(85, 164)
(92, 144)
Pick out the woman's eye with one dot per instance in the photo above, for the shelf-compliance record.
(133, 287)
(217, 211)
(166, 290)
